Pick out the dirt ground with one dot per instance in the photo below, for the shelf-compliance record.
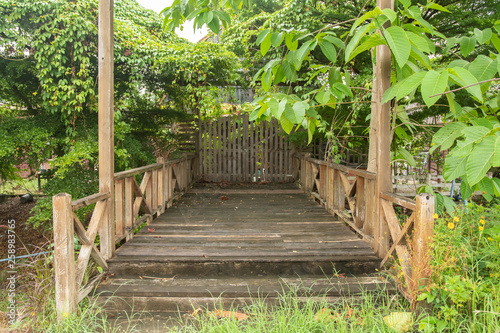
(28, 239)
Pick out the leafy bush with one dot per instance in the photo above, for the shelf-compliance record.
(79, 182)
(465, 280)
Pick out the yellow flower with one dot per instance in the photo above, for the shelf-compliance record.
(481, 228)
(481, 221)
(451, 225)
(482, 217)
(65, 314)
(34, 94)
(456, 218)
(432, 144)
(490, 239)
(435, 216)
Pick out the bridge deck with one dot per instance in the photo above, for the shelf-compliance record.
(252, 223)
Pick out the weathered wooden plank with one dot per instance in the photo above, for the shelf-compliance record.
(119, 207)
(64, 264)
(399, 200)
(136, 171)
(87, 201)
(360, 212)
(245, 143)
(403, 234)
(129, 204)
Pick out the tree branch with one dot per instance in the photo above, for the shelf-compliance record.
(470, 85)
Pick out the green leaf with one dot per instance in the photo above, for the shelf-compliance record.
(354, 41)
(311, 127)
(405, 155)
(391, 14)
(261, 36)
(464, 78)
(467, 45)
(472, 134)
(274, 107)
(454, 167)
(343, 88)
(433, 83)
(483, 68)
(328, 50)
(405, 3)
(447, 135)
(266, 80)
(302, 52)
(335, 41)
(483, 36)
(496, 160)
(403, 88)
(496, 42)
(421, 57)
(291, 42)
(266, 44)
(398, 42)
(277, 39)
(420, 42)
(296, 113)
(371, 14)
(437, 7)
(481, 159)
(370, 42)
(285, 123)
(214, 24)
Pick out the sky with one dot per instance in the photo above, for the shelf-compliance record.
(188, 33)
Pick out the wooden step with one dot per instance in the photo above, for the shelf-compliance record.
(171, 294)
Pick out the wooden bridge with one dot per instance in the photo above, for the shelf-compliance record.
(219, 244)
(357, 210)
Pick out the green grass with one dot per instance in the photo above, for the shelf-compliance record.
(22, 186)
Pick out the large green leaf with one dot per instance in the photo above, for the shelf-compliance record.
(371, 14)
(483, 36)
(369, 43)
(464, 78)
(483, 68)
(302, 52)
(266, 44)
(276, 39)
(434, 83)
(291, 42)
(405, 155)
(481, 160)
(285, 123)
(420, 42)
(467, 45)
(398, 42)
(328, 50)
(472, 135)
(296, 113)
(354, 41)
(421, 57)
(496, 160)
(454, 167)
(447, 135)
(404, 87)
(261, 36)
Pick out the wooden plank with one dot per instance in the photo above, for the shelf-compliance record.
(148, 189)
(399, 200)
(272, 151)
(403, 234)
(360, 202)
(64, 264)
(219, 149)
(161, 185)
(129, 204)
(370, 198)
(87, 201)
(154, 190)
(106, 122)
(246, 148)
(422, 238)
(96, 220)
(237, 133)
(339, 202)
(91, 285)
(136, 171)
(119, 207)
(205, 160)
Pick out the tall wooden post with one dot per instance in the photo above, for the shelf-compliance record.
(64, 255)
(422, 236)
(106, 125)
(383, 138)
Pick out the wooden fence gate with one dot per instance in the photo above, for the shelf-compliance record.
(235, 149)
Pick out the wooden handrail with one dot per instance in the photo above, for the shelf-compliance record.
(87, 201)
(136, 171)
(340, 167)
(399, 200)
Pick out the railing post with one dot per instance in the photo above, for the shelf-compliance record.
(64, 255)
(161, 185)
(422, 236)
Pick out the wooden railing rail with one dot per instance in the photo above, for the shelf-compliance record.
(338, 187)
(410, 239)
(351, 195)
(161, 183)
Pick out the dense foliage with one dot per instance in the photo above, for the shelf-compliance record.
(48, 86)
